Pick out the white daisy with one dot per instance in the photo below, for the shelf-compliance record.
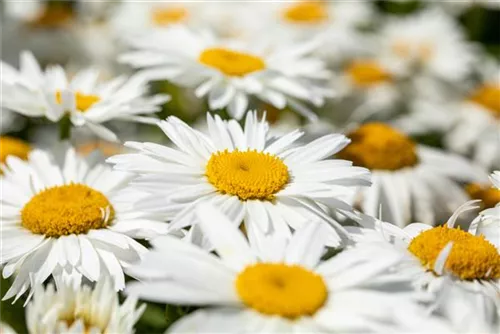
(36, 93)
(85, 310)
(271, 184)
(367, 89)
(230, 72)
(488, 220)
(458, 310)
(277, 286)
(477, 129)
(409, 181)
(13, 146)
(434, 256)
(429, 43)
(334, 23)
(140, 17)
(68, 219)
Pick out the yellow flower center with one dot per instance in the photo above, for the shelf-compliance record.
(53, 16)
(378, 146)
(230, 62)
(163, 16)
(13, 146)
(472, 257)
(489, 97)
(489, 196)
(67, 209)
(308, 12)
(366, 73)
(290, 291)
(248, 174)
(83, 101)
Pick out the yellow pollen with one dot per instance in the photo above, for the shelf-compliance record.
(307, 12)
(366, 73)
(13, 146)
(377, 146)
(289, 291)
(249, 174)
(68, 209)
(472, 257)
(83, 101)
(169, 15)
(53, 16)
(489, 196)
(230, 62)
(489, 97)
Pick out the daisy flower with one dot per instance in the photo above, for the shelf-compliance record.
(458, 310)
(434, 256)
(68, 219)
(13, 146)
(368, 88)
(334, 23)
(140, 17)
(429, 43)
(277, 286)
(229, 73)
(85, 310)
(488, 219)
(271, 184)
(36, 93)
(409, 181)
(477, 127)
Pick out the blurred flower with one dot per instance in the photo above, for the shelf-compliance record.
(231, 73)
(270, 184)
(477, 129)
(489, 220)
(10, 146)
(83, 310)
(333, 23)
(410, 182)
(70, 218)
(457, 310)
(429, 43)
(36, 93)
(272, 286)
(435, 256)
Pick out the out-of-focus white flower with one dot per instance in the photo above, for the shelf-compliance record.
(457, 311)
(367, 89)
(333, 23)
(13, 146)
(231, 72)
(81, 310)
(429, 43)
(68, 219)
(274, 286)
(270, 183)
(36, 93)
(477, 128)
(439, 256)
(409, 182)
(6, 329)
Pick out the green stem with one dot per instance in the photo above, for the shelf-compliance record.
(65, 128)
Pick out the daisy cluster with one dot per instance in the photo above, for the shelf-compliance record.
(250, 167)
